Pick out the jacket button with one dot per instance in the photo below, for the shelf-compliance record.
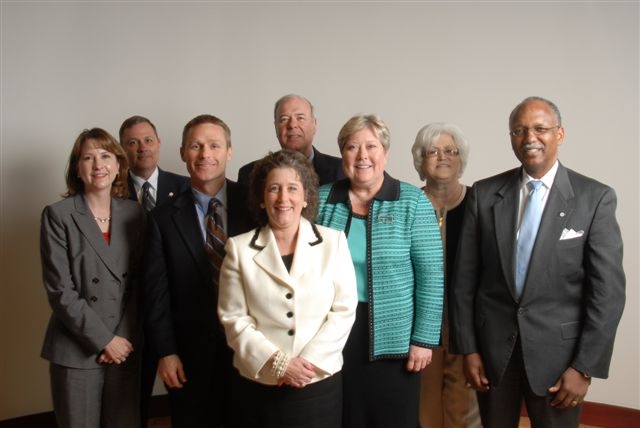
(124, 275)
(291, 332)
(93, 298)
(289, 314)
(289, 295)
(95, 280)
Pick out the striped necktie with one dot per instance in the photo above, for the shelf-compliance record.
(216, 237)
(148, 201)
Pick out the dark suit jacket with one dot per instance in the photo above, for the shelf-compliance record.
(328, 168)
(91, 285)
(180, 295)
(573, 295)
(169, 186)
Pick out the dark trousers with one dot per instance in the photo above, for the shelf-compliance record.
(500, 407)
(147, 379)
(203, 401)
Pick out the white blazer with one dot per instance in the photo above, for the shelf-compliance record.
(307, 312)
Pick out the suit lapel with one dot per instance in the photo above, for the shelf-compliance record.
(304, 250)
(119, 238)
(185, 220)
(132, 189)
(164, 183)
(269, 259)
(557, 211)
(504, 215)
(85, 222)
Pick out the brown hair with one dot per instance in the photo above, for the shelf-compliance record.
(206, 118)
(103, 140)
(132, 121)
(283, 159)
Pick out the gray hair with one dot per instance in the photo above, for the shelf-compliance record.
(289, 97)
(427, 137)
(552, 106)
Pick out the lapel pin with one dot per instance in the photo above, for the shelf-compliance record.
(561, 213)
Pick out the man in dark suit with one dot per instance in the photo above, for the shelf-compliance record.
(180, 286)
(295, 123)
(139, 138)
(541, 342)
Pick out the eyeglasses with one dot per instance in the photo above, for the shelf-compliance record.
(434, 152)
(536, 130)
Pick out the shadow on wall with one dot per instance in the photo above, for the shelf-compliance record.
(24, 310)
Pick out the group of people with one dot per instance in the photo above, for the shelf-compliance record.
(319, 291)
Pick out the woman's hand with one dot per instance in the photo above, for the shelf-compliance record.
(419, 358)
(116, 351)
(299, 373)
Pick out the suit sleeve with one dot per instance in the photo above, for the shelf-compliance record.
(63, 291)
(325, 349)
(604, 290)
(462, 287)
(427, 259)
(157, 311)
(252, 348)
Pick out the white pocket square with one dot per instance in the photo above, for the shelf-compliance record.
(571, 234)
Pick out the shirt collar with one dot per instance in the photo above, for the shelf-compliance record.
(546, 179)
(139, 181)
(202, 199)
(390, 190)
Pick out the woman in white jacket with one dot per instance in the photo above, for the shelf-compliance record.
(287, 302)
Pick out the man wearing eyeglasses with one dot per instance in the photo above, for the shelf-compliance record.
(536, 324)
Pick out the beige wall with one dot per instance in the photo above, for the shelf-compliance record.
(70, 65)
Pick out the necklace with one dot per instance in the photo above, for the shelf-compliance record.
(102, 219)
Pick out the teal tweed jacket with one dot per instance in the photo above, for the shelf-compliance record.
(404, 264)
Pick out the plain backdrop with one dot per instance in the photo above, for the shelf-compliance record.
(70, 65)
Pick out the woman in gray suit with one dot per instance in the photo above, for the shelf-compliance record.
(287, 302)
(89, 246)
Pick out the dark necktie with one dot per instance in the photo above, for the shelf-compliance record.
(148, 201)
(528, 231)
(216, 237)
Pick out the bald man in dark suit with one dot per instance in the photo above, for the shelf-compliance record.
(540, 342)
(295, 122)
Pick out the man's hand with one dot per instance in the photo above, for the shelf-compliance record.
(171, 372)
(474, 372)
(570, 389)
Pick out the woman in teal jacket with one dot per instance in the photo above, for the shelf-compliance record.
(396, 249)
